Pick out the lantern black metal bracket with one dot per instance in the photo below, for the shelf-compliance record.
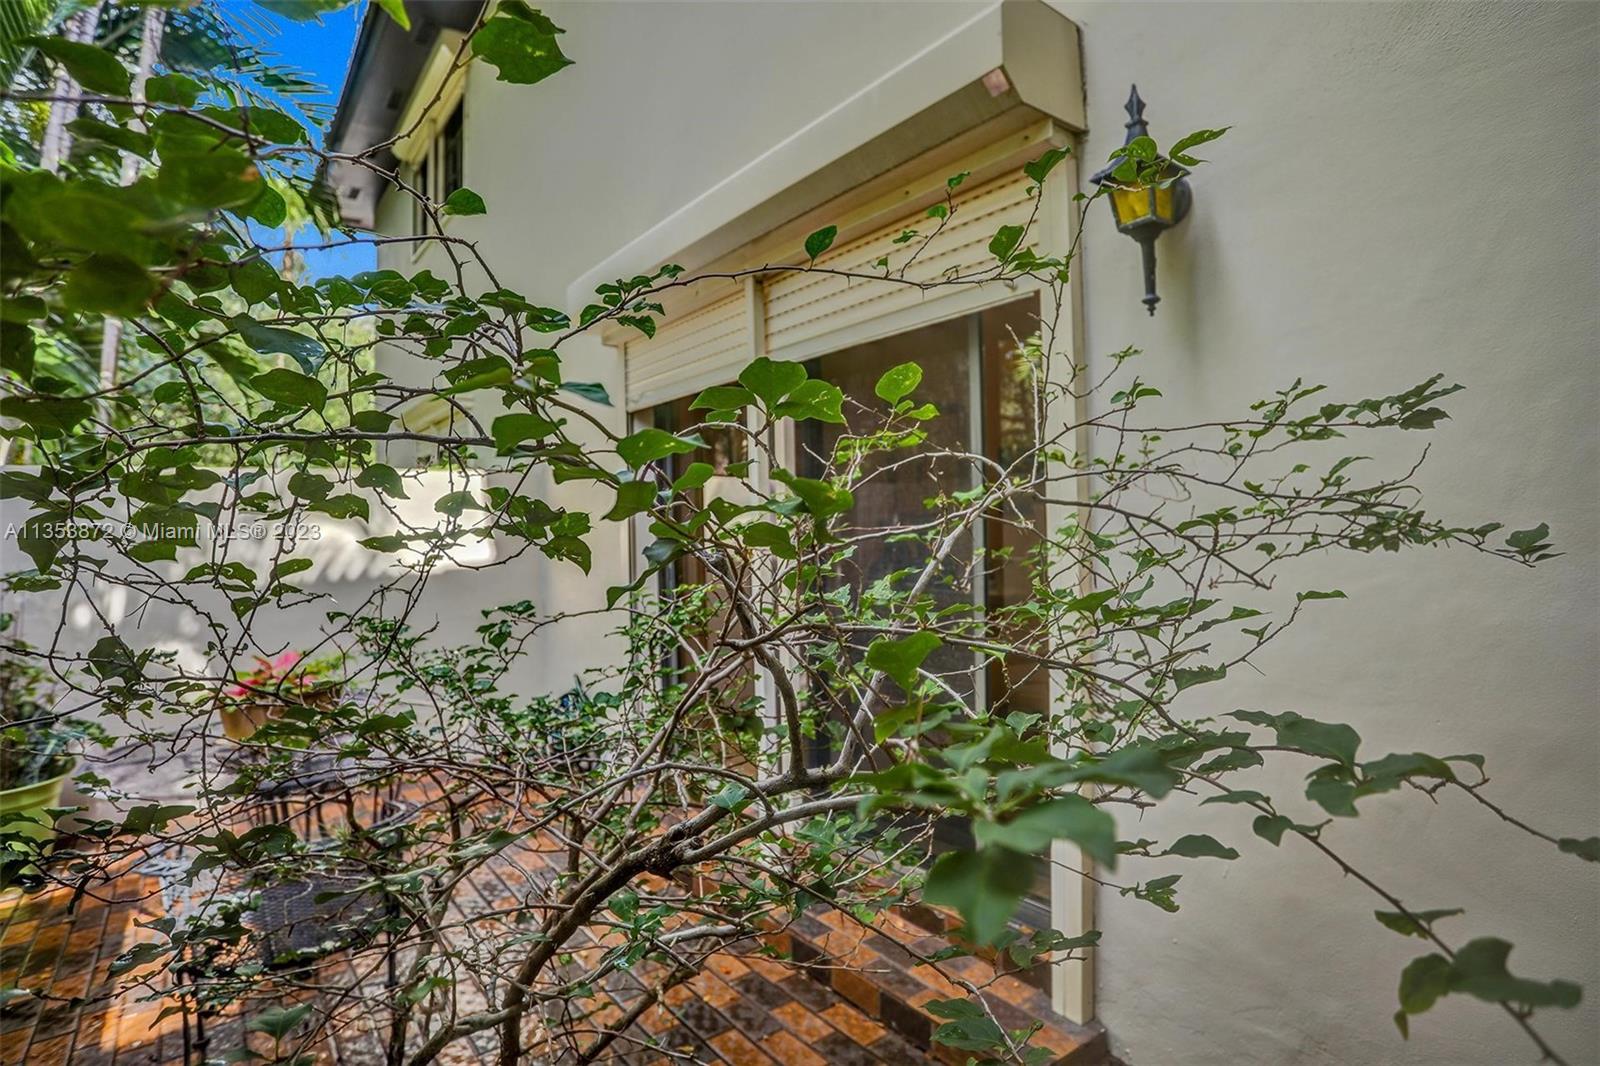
(1143, 211)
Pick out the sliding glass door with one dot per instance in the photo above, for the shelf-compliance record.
(976, 373)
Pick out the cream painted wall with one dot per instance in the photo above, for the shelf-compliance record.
(1408, 188)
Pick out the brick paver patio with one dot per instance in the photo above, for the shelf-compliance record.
(822, 991)
(744, 1010)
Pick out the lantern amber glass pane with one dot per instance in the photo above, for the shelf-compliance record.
(1163, 198)
(1130, 204)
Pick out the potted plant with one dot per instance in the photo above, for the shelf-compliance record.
(261, 694)
(35, 749)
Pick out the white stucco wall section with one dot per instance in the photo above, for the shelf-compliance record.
(1407, 189)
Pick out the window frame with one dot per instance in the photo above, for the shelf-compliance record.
(422, 182)
(429, 172)
(983, 395)
(454, 128)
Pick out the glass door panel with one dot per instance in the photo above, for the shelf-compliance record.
(975, 371)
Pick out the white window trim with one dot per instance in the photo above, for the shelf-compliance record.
(439, 92)
(433, 188)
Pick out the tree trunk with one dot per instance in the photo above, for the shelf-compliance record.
(149, 47)
(63, 108)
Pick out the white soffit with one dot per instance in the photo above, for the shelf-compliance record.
(930, 98)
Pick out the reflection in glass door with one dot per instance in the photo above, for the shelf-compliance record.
(974, 372)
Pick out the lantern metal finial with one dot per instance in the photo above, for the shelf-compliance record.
(1136, 125)
(1143, 209)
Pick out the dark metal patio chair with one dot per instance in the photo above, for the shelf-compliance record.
(291, 924)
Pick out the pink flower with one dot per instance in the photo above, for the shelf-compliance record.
(273, 673)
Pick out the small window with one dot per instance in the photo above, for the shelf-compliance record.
(451, 155)
(726, 451)
(729, 713)
(421, 182)
(429, 454)
(438, 173)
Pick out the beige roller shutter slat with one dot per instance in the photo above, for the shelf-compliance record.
(712, 344)
(708, 346)
(801, 308)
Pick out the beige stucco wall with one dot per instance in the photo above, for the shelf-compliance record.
(1408, 188)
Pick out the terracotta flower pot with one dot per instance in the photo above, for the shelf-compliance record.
(241, 720)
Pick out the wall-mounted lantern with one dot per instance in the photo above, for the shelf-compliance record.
(1144, 208)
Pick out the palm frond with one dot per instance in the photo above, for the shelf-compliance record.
(21, 19)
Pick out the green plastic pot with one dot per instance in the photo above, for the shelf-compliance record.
(30, 801)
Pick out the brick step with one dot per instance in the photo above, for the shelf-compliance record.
(880, 977)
